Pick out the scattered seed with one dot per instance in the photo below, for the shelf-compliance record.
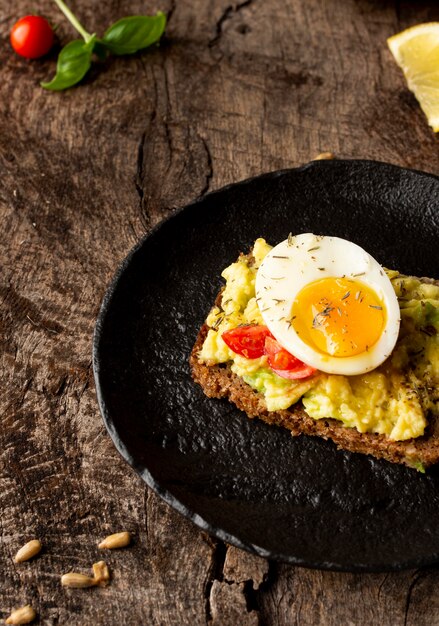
(312, 249)
(25, 615)
(77, 581)
(347, 294)
(290, 239)
(375, 306)
(117, 540)
(324, 156)
(28, 551)
(101, 573)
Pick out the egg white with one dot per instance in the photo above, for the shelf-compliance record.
(305, 258)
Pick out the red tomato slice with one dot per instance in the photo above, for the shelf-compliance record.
(248, 341)
(303, 372)
(285, 364)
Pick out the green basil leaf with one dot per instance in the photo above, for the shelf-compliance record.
(134, 33)
(74, 61)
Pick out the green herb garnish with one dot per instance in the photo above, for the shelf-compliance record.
(126, 36)
(419, 466)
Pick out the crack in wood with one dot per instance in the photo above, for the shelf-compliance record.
(138, 181)
(170, 12)
(219, 551)
(254, 597)
(209, 173)
(139, 168)
(251, 596)
(237, 584)
(416, 577)
(382, 584)
(226, 15)
(168, 114)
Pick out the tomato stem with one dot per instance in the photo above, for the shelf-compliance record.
(73, 20)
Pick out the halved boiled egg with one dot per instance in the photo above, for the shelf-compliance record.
(329, 303)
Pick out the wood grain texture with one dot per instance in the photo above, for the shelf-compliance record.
(234, 90)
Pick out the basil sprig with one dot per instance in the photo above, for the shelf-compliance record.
(126, 36)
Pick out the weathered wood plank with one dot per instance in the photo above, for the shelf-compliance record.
(307, 597)
(236, 89)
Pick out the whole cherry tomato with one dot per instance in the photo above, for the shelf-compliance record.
(32, 37)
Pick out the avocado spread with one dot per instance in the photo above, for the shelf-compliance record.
(394, 399)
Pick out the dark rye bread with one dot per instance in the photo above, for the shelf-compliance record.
(218, 381)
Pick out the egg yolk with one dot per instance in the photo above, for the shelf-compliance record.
(338, 316)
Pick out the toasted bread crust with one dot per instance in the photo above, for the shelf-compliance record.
(218, 381)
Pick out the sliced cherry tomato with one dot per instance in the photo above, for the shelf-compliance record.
(248, 341)
(285, 364)
(303, 371)
(32, 37)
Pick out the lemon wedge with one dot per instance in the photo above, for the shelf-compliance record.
(416, 50)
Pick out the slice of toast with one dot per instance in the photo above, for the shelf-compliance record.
(218, 381)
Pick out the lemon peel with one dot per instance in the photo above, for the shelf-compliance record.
(416, 51)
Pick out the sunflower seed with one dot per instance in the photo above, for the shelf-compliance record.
(101, 573)
(77, 581)
(28, 551)
(25, 615)
(323, 156)
(117, 540)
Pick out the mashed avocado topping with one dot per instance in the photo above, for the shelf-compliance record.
(392, 400)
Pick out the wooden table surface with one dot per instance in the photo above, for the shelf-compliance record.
(234, 90)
